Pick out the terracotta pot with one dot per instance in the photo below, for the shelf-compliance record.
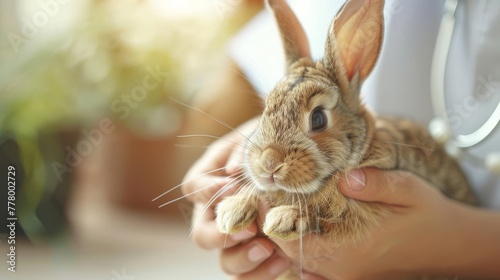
(137, 169)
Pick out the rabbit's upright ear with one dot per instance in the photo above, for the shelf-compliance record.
(292, 34)
(353, 44)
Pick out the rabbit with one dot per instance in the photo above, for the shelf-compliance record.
(315, 129)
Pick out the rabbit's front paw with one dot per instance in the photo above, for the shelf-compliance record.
(235, 213)
(285, 222)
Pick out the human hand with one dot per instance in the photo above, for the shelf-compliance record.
(417, 223)
(415, 209)
(425, 233)
(243, 255)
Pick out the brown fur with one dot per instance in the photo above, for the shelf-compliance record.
(296, 170)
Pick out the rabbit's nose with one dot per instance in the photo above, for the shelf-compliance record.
(270, 162)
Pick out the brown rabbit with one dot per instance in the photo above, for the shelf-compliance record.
(315, 129)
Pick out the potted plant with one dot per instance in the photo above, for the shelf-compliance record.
(101, 80)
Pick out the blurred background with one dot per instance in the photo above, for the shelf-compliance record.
(90, 111)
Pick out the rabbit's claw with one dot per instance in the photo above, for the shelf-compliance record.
(235, 213)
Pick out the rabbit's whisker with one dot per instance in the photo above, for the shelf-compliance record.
(301, 238)
(210, 136)
(185, 146)
(406, 145)
(246, 188)
(225, 241)
(186, 195)
(195, 178)
(265, 80)
(194, 192)
(302, 257)
(248, 80)
(239, 178)
(218, 194)
(214, 119)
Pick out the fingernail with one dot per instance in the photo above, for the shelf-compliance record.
(242, 235)
(279, 266)
(356, 180)
(258, 253)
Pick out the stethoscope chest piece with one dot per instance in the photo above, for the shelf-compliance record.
(439, 130)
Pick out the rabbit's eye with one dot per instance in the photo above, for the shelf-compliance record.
(318, 119)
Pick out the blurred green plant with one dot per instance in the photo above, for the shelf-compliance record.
(119, 59)
(92, 67)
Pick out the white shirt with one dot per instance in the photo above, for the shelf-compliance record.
(400, 82)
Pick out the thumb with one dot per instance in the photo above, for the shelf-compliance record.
(389, 187)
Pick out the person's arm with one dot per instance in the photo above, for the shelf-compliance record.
(477, 243)
(425, 234)
(243, 255)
